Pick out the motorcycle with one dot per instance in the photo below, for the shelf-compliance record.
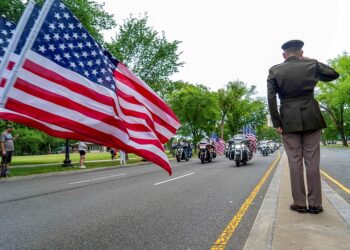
(206, 152)
(264, 149)
(239, 150)
(181, 153)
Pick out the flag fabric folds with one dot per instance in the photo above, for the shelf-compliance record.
(219, 144)
(250, 133)
(7, 29)
(68, 80)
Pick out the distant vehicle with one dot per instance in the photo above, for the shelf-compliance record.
(331, 142)
(59, 150)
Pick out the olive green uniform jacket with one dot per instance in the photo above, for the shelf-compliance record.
(294, 81)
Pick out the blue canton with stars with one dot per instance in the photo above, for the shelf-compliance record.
(65, 41)
(6, 31)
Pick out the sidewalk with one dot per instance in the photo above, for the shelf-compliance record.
(277, 227)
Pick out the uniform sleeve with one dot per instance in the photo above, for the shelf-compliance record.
(325, 73)
(272, 90)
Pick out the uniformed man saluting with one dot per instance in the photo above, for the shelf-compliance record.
(300, 120)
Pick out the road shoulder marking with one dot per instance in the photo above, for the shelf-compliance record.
(182, 176)
(341, 186)
(95, 179)
(226, 235)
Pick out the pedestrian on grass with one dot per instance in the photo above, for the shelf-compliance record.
(122, 157)
(300, 120)
(7, 148)
(113, 153)
(82, 152)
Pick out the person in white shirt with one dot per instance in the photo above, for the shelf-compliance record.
(82, 151)
(122, 157)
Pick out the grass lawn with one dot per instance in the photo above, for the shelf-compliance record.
(58, 168)
(335, 146)
(59, 158)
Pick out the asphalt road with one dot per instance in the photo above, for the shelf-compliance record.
(132, 208)
(336, 163)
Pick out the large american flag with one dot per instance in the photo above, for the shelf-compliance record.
(70, 81)
(7, 30)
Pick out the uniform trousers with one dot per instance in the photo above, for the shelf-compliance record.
(304, 147)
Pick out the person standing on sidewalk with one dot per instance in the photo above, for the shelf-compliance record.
(82, 152)
(300, 120)
(122, 157)
(7, 147)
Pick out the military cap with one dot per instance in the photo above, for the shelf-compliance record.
(293, 43)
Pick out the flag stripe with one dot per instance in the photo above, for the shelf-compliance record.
(67, 103)
(59, 79)
(147, 99)
(158, 123)
(147, 92)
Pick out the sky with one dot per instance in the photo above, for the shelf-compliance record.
(226, 40)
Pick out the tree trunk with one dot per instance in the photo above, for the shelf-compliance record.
(343, 138)
(323, 139)
(342, 132)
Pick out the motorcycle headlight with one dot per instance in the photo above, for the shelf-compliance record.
(238, 146)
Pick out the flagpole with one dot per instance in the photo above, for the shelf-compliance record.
(15, 39)
(28, 44)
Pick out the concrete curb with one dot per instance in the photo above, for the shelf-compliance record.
(260, 236)
(342, 207)
(72, 172)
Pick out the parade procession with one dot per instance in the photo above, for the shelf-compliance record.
(174, 125)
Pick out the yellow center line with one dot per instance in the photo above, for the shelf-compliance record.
(347, 190)
(226, 235)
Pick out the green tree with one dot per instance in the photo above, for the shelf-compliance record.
(90, 13)
(146, 52)
(247, 110)
(334, 97)
(28, 142)
(197, 109)
(268, 133)
(228, 97)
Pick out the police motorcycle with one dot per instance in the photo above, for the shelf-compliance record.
(181, 152)
(272, 147)
(239, 149)
(264, 148)
(206, 151)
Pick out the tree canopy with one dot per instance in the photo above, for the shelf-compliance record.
(146, 52)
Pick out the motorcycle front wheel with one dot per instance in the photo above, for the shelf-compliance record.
(238, 162)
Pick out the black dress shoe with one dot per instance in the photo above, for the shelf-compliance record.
(299, 209)
(315, 210)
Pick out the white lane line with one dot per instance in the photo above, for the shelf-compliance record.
(182, 176)
(95, 179)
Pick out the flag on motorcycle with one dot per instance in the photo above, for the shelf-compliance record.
(67, 79)
(250, 134)
(219, 144)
